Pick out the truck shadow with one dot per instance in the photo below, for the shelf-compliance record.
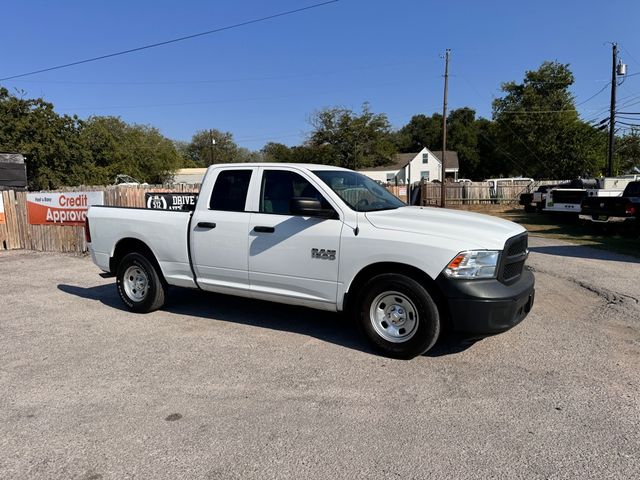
(325, 326)
(580, 251)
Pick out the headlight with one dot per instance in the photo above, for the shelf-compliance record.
(473, 264)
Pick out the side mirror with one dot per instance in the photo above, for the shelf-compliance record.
(309, 207)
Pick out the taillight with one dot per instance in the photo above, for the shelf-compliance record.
(87, 232)
(630, 209)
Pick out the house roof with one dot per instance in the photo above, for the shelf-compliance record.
(451, 158)
(400, 160)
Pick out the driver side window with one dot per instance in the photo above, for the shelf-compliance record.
(280, 186)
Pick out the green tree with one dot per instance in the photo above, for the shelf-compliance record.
(628, 152)
(539, 129)
(61, 150)
(492, 161)
(208, 147)
(182, 148)
(421, 131)
(462, 134)
(276, 152)
(115, 147)
(245, 155)
(342, 137)
(48, 141)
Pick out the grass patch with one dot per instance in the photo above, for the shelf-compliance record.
(620, 239)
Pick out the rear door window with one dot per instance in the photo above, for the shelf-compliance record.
(230, 191)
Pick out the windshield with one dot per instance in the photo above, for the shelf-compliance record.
(359, 192)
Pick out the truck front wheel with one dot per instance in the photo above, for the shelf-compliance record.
(398, 316)
(139, 284)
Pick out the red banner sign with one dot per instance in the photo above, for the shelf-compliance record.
(69, 208)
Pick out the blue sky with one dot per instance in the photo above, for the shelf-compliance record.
(262, 82)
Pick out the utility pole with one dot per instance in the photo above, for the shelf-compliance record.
(212, 142)
(444, 129)
(612, 113)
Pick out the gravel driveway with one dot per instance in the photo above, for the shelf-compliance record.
(218, 387)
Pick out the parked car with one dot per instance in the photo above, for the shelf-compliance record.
(623, 209)
(535, 201)
(126, 180)
(326, 238)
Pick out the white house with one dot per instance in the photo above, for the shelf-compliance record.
(412, 167)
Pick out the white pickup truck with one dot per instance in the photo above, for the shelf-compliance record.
(328, 238)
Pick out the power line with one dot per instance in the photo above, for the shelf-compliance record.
(632, 58)
(604, 110)
(594, 95)
(531, 112)
(223, 80)
(628, 100)
(166, 42)
(631, 104)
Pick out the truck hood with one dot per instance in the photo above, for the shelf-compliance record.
(481, 231)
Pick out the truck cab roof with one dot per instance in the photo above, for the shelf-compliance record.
(303, 166)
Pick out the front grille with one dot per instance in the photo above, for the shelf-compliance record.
(512, 270)
(513, 258)
(518, 247)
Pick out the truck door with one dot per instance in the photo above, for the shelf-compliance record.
(219, 233)
(290, 255)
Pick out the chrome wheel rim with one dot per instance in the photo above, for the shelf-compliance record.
(136, 283)
(394, 317)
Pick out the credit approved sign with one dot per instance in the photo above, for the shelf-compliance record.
(68, 208)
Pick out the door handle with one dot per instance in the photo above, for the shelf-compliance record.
(264, 229)
(206, 225)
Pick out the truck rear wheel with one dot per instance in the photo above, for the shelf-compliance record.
(398, 316)
(139, 284)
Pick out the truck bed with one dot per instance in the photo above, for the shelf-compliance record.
(164, 231)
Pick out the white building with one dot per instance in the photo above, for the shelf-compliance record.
(189, 176)
(412, 167)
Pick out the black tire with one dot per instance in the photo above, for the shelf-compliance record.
(530, 208)
(153, 294)
(424, 330)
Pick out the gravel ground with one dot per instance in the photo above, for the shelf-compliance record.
(218, 387)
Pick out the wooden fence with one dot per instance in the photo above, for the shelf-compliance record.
(17, 233)
(476, 193)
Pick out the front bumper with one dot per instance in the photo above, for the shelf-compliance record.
(487, 307)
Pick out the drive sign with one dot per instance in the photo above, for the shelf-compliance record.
(69, 208)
